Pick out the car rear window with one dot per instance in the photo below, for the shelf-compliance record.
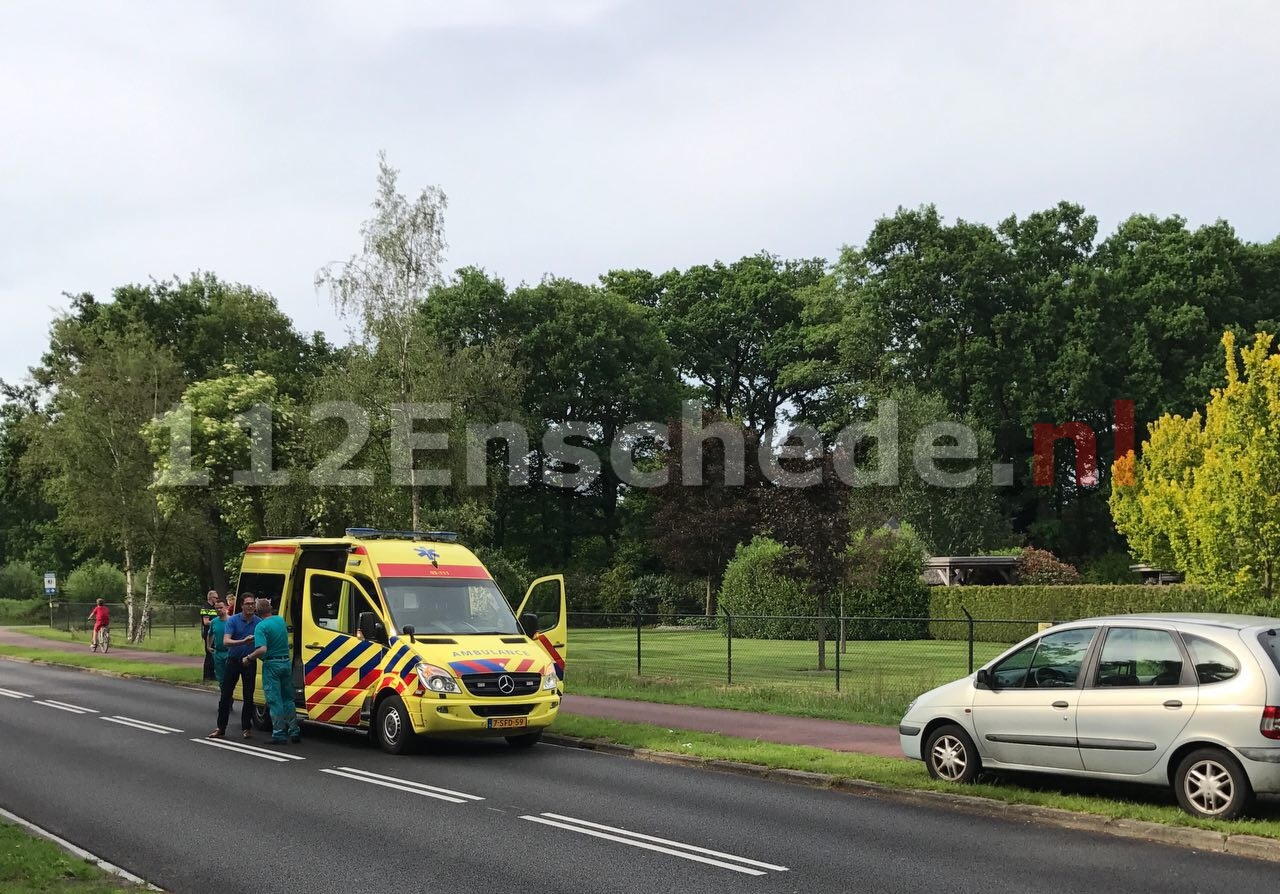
(1270, 641)
(1213, 663)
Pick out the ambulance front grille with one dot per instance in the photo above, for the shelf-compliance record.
(492, 684)
(501, 710)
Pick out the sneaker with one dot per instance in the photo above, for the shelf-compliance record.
(247, 734)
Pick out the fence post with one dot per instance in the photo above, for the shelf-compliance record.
(838, 644)
(970, 617)
(728, 619)
(636, 608)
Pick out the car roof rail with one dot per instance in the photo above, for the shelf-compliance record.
(377, 534)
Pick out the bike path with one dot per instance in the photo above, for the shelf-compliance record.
(832, 735)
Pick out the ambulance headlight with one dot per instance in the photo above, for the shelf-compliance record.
(549, 679)
(434, 679)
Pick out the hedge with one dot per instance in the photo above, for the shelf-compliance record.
(1044, 602)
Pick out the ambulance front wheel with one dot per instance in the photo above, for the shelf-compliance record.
(395, 732)
(528, 740)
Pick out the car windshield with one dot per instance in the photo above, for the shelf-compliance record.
(448, 605)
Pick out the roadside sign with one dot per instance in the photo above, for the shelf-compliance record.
(50, 583)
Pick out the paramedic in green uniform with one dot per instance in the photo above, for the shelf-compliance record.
(218, 629)
(271, 641)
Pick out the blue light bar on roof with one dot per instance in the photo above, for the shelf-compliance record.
(376, 534)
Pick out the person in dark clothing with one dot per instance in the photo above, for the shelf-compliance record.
(239, 640)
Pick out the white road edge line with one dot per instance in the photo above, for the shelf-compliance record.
(434, 788)
(746, 870)
(245, 749)
(59, 707)
(141, 724)
(78, 851)
(13, 693)
(398, 786)
(69, 705)
(679, 844)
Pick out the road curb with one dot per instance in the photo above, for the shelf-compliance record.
(1250, 846)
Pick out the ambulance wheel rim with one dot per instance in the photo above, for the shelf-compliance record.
(391, 726)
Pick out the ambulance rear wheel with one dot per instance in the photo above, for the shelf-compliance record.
(528, 740)
(395, 732)
(261, 718)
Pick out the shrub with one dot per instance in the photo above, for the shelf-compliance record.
(1039, 566)
(18, 580)
(1109, 568)
(1034, 603)
(668, 597)
(23, 611)
(756, 583)
(95, 579)
(887, 566)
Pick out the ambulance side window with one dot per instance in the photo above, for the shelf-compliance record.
(326, 601)
(358, 604)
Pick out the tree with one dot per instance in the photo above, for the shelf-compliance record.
(386, 285)
(1205, 496)
(96, 463)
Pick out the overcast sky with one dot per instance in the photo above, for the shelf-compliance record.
(146, 140)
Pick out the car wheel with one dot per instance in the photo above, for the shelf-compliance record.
(528, 740)
(261, 718)
(950, 755)
(395, 732)
(1211, 784)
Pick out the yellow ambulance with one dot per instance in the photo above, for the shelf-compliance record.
(406, 634)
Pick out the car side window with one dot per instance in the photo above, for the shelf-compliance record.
(1058, 658)
(1133, 656)
(1212, 662)
(1012, 672)
(326, 599)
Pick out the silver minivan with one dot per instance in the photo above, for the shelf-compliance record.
(1184, 700)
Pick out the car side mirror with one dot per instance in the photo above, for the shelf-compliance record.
(529, 624)
(409, 630)
(371, 628)
(985, 679)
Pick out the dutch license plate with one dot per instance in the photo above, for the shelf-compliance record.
(507, 722)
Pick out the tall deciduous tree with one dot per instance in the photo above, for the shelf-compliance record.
(97, 462)
(385, 286)
(1205, 495)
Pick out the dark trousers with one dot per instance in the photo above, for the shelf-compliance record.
(245, 673)
(208, 666)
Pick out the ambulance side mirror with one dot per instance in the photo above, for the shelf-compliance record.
(371, 628)
(529, 624)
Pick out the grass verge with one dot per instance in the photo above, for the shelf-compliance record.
(31, 865)
(122, 667)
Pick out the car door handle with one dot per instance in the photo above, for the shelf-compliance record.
(315, 647)
(1173, 703)
(1061, 704)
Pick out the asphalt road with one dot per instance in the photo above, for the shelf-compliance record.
(121, 769)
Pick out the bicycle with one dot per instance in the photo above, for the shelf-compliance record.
(102, 640)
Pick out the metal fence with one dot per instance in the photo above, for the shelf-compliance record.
(164, 617)
(883, 659)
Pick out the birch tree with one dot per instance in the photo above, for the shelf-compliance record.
(385, 286)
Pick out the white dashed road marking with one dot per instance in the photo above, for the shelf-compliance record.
(404, 785)
(141, 724)
(13, 693)
(651, 843)
(63, 706)
(252, 750)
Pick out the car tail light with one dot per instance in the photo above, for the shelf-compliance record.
(1270, 726)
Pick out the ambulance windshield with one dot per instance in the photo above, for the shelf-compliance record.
(448, 606)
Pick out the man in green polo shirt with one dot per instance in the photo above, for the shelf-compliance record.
(271, 644)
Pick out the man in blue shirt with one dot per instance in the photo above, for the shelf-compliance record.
(239, 640)
(271, 644)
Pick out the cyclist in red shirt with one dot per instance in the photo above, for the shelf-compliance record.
(101, 617)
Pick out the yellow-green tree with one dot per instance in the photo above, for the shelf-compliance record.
(1204, 497)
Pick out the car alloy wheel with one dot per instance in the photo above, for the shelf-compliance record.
(1212, 784)
(951, 756)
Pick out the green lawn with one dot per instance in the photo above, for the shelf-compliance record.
(877, 679)
(31, 865)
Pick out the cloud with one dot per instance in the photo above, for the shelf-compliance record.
(149, 139)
